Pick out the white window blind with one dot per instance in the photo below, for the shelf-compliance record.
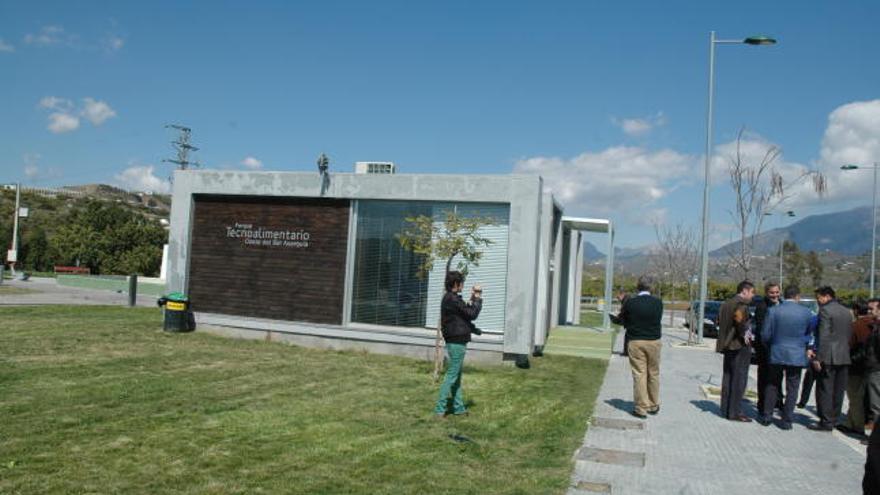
(491, 272)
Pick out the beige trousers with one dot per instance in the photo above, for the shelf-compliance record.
(644, 359)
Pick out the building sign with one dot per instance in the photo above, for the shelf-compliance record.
(269, 257)
(261, 236)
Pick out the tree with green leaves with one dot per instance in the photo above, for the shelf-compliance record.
(815, 268)
(457, 237)
(110, 239)
(793, 263)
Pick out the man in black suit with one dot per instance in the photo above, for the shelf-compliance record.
(733, 344)
(830, 357)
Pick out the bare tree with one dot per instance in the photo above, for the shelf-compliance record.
(759, 188)
(678, 250)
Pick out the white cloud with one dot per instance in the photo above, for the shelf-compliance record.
(96, 112)
(797, 177)
(113, 43)
(65, 117)
(56, 103)
(48, 35)
(142, 178)
(640, 126)
(60, 122)
(620, 178)
(852, 135)
(6, 47)
(37, 173)
(31, 168)
(252, 163)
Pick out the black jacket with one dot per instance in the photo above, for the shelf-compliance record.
(641, 317)
(456, 318)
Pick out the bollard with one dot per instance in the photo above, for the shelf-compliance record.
(132, 290)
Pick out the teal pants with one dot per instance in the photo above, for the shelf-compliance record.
(451, 387)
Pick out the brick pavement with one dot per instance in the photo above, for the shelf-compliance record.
(689, 449)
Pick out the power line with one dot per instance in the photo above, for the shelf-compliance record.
(183, 147)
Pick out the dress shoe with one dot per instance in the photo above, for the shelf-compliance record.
(819, 427)
(763, 421)
(654, 412)
(847, 430)
(742, 418)
(785, 425)
(801, 405)
(639, 415)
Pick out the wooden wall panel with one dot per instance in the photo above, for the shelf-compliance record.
(279, 258)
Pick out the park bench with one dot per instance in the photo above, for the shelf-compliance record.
(73, 270)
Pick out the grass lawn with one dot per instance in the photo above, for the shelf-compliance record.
(583, 341)
(100, 400)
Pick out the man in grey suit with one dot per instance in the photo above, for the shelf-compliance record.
(830, 357)
(787, 331)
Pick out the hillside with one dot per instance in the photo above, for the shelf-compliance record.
(99, 225)
(843, 232)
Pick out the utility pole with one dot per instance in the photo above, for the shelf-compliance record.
(183, 147)
(13, 251)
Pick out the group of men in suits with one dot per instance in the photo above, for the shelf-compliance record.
(787, 338)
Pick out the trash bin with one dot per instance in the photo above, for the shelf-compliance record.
(178, 317)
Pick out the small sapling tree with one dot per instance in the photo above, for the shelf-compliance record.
(456, 238)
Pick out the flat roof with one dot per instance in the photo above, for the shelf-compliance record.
(587, 224)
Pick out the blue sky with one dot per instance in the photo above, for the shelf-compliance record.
(607, 101)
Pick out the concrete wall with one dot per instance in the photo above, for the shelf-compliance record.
(522, 193)
(542, 290)
(579, 280)
(557, 270)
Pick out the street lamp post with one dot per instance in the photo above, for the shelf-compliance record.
(782, 247)
(873, 221)
(704, 244)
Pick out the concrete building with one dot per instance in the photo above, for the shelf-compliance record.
(300, 258)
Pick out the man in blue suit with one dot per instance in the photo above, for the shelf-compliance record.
(787, 331)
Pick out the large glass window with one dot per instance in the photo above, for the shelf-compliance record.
(386, 288)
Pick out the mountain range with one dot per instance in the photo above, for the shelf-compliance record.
(843, 232)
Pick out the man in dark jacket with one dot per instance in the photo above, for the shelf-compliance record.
(861, 363)
(787, 331)
(830, 357)
(772, 292)
(737, 354)
(640, 316)
(456, 323)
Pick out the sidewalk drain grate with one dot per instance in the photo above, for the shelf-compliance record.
(609, 456)
(589, 486)
(619, 424)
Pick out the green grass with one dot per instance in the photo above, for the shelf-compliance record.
(583, 341)
(591, 318)
(100, 400)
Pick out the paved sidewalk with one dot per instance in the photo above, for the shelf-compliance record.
(47, 291)
(689, 449)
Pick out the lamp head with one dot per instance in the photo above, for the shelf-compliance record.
(849, 167)
(759, 40)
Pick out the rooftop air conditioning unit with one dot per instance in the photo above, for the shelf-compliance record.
(374, 168)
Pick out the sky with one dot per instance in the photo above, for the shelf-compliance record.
(606, 100)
